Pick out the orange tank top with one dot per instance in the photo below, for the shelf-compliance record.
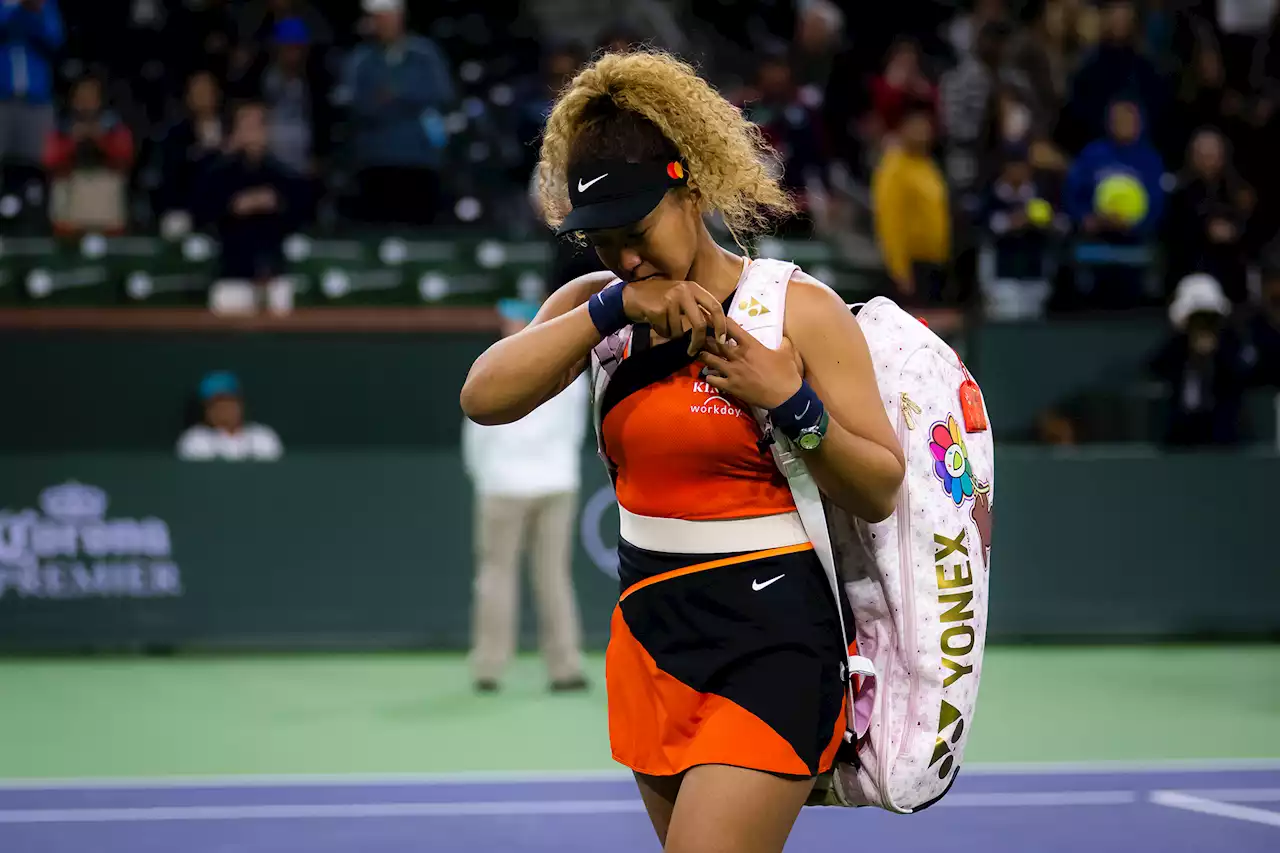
(682, 449)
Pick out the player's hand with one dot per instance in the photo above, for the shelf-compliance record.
(673, 308)
(750, 371)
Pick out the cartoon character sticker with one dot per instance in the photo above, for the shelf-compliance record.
(951, 461)
(984, 519)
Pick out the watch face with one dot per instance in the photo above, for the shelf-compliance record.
(810, 441)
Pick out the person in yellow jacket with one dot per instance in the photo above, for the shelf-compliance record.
(912, 210)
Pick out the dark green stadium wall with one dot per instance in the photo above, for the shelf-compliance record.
(338, 549)
(131, 391)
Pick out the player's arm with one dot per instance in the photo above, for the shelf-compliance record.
(519, 373)
(859, 464)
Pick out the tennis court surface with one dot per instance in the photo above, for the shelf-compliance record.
(1170, 808)
(393, 753)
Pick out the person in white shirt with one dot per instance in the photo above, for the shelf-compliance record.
(526, 480)
(224, 435)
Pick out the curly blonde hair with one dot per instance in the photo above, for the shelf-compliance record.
(647, 104)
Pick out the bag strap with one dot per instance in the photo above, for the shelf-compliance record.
(760, 308)
(605, 358)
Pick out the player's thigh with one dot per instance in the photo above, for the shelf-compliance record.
(724, 809)
(659, 795)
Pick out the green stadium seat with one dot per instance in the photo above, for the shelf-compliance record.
(381, 268)
(85, 271)
(342, 272)
(18, 256)
(170, 272)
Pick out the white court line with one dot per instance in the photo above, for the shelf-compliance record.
(1237, 795)
(303, 812)
(153, 814)
(1038, 799)
(503, 777)
(1200, 805)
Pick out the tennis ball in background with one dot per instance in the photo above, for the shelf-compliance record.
(1121, 197)
(1039, 212)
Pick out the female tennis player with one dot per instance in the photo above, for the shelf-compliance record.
(725, 664)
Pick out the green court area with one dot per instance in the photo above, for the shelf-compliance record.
(415, 713)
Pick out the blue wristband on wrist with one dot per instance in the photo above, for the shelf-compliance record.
(607, 309)
(803, 410)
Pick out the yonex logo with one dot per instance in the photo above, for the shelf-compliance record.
(753, 307)
(948, 715)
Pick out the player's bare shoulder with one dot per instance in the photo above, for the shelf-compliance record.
(810, 301)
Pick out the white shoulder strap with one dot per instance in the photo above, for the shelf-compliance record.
(760, 303)
(759, 307)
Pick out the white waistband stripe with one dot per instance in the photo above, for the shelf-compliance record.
(681, 536)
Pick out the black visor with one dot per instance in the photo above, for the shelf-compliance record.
(611, 194)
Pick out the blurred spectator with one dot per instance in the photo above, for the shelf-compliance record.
(1116, 69)
(1242, 24)
(1265, 70)
(1203, 365)
(537, 93)
(829, 65)
(1208, 215)
(188, 147)
(1043, 51)
(902, 83)
(1021, 222)
(793, 128)
(258, 20)
(252, 201)
(962, 32)
(968, 96)
(818, 43)
(1264, 328)
(912, 210)
(268, 28)
(30, 36)
(223, 434)
(526, 476)
(1204, 99)
(88, 158)
(203, 33)
(296, 92)
(1114, 197)
(396, 89)
(1253, 135)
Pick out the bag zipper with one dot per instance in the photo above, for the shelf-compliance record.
(906, 569)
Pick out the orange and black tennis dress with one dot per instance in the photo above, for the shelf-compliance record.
(725, 646)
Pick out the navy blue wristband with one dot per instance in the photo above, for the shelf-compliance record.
(801, 411)
(607, 309)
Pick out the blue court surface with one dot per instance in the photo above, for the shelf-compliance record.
(1174, 808)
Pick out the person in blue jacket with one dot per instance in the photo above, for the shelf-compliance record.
(1125, 150)
(31, 33)
(397, 87)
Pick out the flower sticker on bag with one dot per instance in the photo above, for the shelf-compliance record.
(951, 461)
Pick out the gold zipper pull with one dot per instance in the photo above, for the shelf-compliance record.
(908, 408)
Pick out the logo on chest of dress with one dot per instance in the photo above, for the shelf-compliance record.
(709, 401)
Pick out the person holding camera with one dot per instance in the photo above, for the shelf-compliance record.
(88, 158)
